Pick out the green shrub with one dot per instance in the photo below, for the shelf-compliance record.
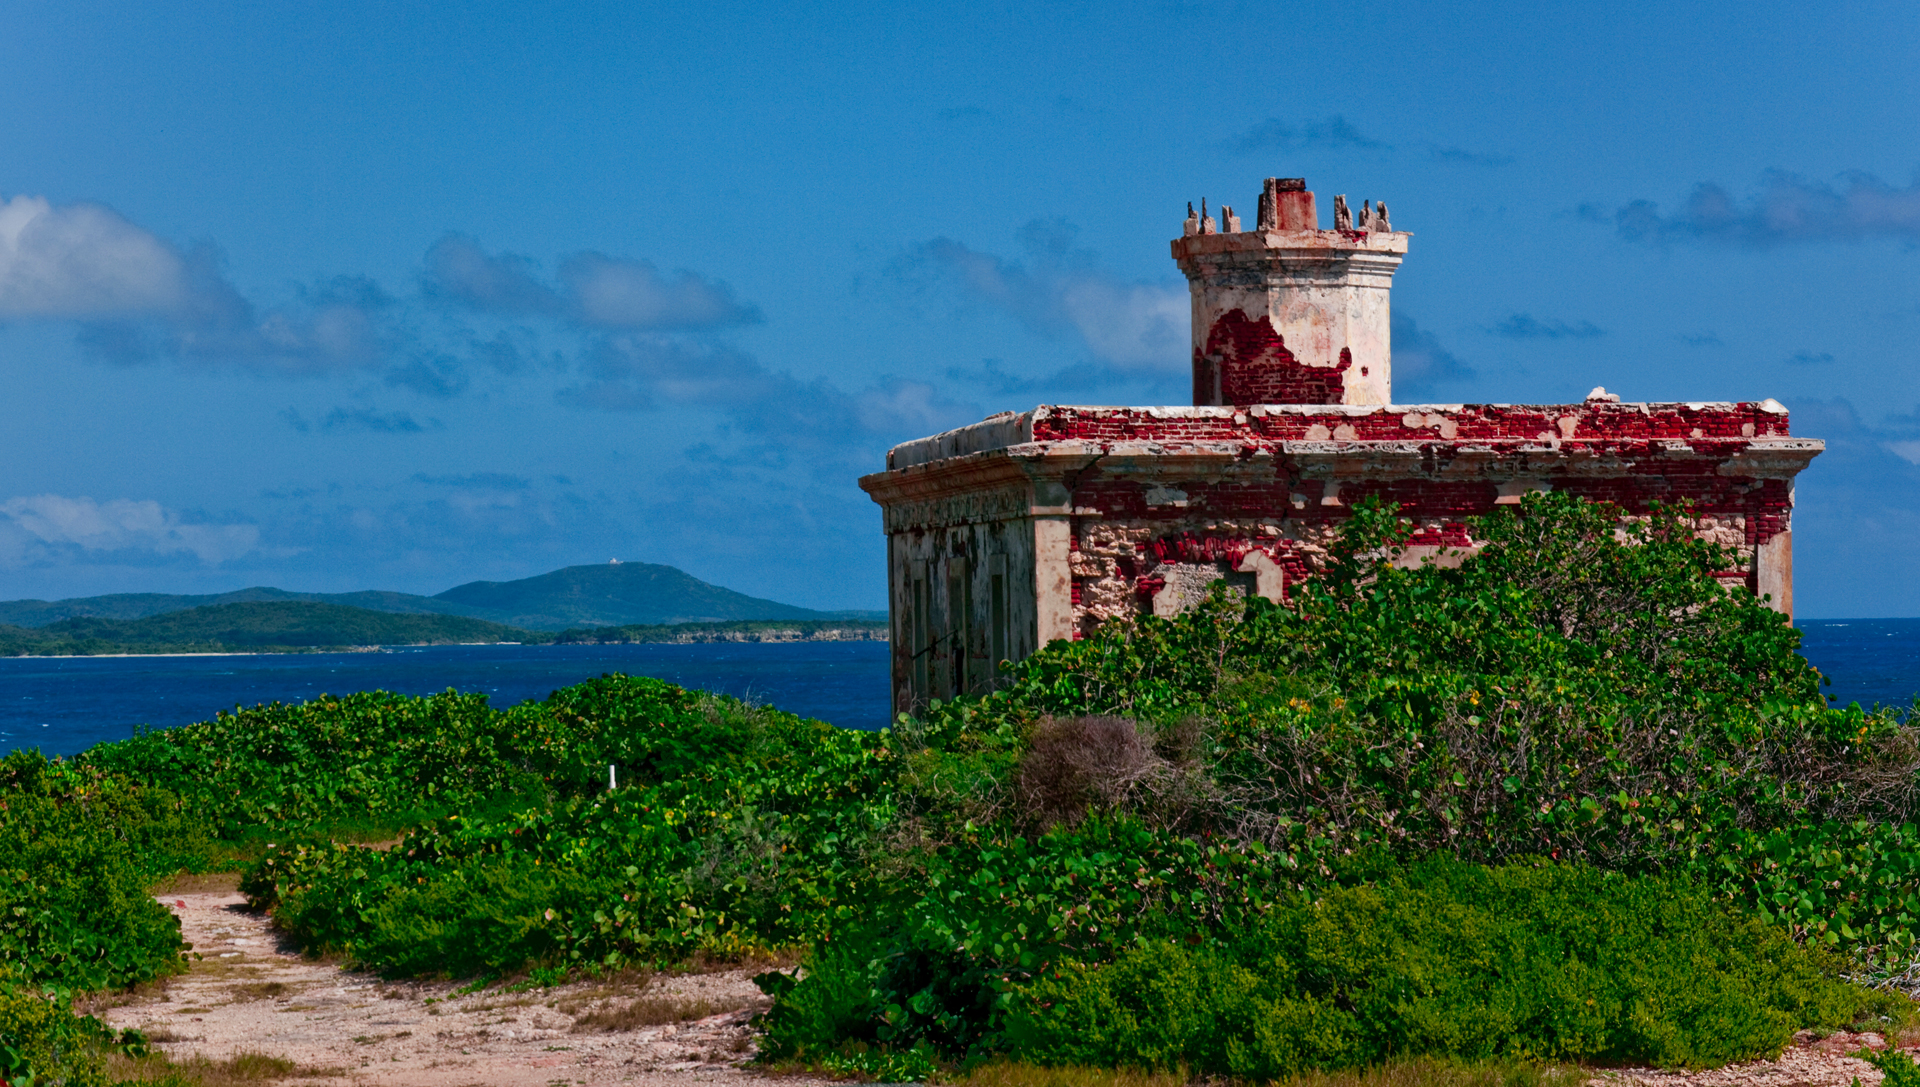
(934, 966)
(737, 828)
(830, 1013)
(1898, 1068)
(387, 762)
(965, 966)
(74, 908)
(1541, 961)
(1562, 693)
(374, 759)
(479, 919)
(43, 1042)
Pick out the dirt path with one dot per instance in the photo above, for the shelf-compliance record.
(1808, 1062)
(250, 993)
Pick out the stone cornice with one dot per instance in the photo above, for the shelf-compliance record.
(1302, 244)
(1044, 473)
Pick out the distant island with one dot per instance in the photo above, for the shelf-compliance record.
(605, 594)
(280, 626)
(615, 603)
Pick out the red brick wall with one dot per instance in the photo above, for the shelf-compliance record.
(1255, 367)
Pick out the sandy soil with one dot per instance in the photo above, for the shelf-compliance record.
(1808, 1062)
(250, 992)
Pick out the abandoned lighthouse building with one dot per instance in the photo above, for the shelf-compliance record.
(1041, 524)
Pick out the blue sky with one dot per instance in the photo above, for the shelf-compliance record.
(397, 295)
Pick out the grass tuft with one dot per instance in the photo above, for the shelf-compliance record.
(197, 883)
(758, 959)
(240, 1070)
(648, 1011)
(259, 990)
(1022, 1074)
(1440, 1072)
(1421, 1072)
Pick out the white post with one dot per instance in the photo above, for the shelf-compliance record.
(611, 784)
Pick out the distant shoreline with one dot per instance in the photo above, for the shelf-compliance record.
(117, 656)
(708, 637)
(739, 630)
(616, 636)
(304, 626)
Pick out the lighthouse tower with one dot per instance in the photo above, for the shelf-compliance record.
(1036, 525)
(1287, 313)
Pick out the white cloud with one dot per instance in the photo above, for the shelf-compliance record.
(1133, 326)
(615, 293)
(1785, 208)
(645, 371)
(139, 298)
(85, 261)
(635, 371)
(595, 291)
(910, 406)
(1139, 327)
(459, 270)
(1525, 326)
(636, 337)
(1334, 133)
(41, 528)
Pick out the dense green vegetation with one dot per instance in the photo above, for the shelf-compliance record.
(1536, 960)
(43, 1042)
(78, 849)
(1567, 801)
(745, 630)
(739, 828)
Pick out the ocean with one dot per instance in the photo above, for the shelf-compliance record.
(63, 705)
(1869, 661)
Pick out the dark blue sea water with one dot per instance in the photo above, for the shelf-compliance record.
(65, 704)
(1870, 661)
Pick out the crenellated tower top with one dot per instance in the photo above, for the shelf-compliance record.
(1288, 313)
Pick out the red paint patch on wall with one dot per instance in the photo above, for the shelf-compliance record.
(1228, 551)
(1443, 534)
(1763, 506)
(1255, 367)
(1611, 426)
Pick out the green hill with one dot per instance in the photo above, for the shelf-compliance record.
(615, 594)
(253, 626)
(40, 613)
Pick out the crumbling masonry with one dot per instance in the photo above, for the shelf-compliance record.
(1042, 524)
